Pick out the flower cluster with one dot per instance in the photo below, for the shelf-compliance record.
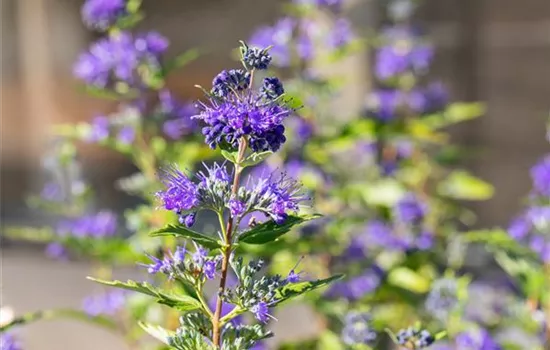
(407, 230)
(357, 329)
(443, 298)
(100, 225)
(357, 287)
(253, 294)
(107, 303)
(176, 116)
(236, 111)
(403, 55)
(9, 342)
(122, 57)
(415, 338)
(532, 227)
(177, 265)
(103, 14)
(297, 37)
(274, 196)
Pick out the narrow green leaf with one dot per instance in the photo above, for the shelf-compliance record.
(464, 186)
(498, 240)
(30, 234)
(296, 289)
(179, 302)
(157, 332)
(408, 279)
(440, 335)
(255, 158)
(101, 321)
(181, 60)
(182, 231)
(230, 155)
(270, 231)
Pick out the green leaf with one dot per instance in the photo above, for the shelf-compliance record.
(329, 340)
(255, 158)
(29, 234)
(498, 240)
(464, 186)
(270, 231)
(384, 192)
(440, 335)
(182, 231)
(230, 155)
(179, 302)
(293, 101)
(157, 332)
(408, 279)
(294, 290)
(101, 321)
(181, 60)
(455, 113)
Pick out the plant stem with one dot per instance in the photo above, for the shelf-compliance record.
(226, 252)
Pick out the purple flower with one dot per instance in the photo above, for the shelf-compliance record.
(341, 34)
(478, 339)
(358, 286)
(357, 329)
(188, 220)
(228, 81)
(118, 57)
(102, 14)
(52, 192)
(394, 60)
(9, 342)
(427, 100)
(56, 250)
(304, 47)
(181, 194)
(109, 303)
(540, 174)
(410, 210)
(519, 228)
(99, 225)
(443, 298)
(157, 265)
(238, 116)
(236, 207)
(126, 134)
(178, 116)
(256, 58)
(199, 255)
(279, 36)
(100, 129)
(294, 277)
(383, 104)
(261, 311)
(272, 88)
(278, 196)
(209, 269)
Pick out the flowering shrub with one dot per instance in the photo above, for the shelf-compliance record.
(391, 246)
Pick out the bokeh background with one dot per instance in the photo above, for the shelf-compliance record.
(495, 51)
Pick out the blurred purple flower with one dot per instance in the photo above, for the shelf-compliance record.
(340, 35)
(56, 250)
(99, 129)
(126, 134)
(540, 174)
(108, 303)
(102, 14)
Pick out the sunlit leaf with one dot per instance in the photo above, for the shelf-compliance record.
(408, 279)
(464, 186)
(294, 290)
(183, 231)
(269, 231)
(179, 302)
(157, 332)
